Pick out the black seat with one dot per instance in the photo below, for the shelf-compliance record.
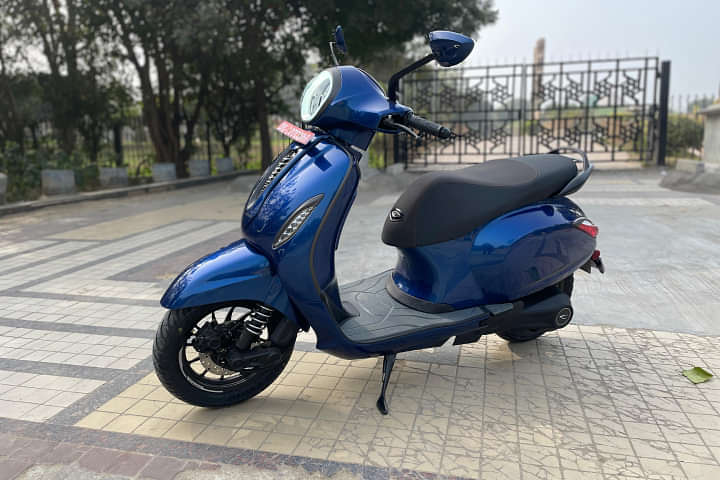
(441, 206)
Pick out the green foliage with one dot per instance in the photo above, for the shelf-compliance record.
(231, 109)
(87, 177)
(23, 174)
(22, 108)
(684, 135)
(78, 86)
(380, 153)
(230, 63)
(23, 170)
(248, 82)
(171, 47)
(374, 29)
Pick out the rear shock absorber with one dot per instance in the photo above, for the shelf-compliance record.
(254, 325)
(256, 322)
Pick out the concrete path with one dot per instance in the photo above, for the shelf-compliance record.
(602, 398)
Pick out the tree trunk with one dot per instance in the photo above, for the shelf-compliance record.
(186, 151)
(66, 138)
(262, 114)
(21, 140)
(118, 144)
(94, 147)
(152, 120)
(181, 163)
(33, 133)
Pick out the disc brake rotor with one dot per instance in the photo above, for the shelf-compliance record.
(213, 367)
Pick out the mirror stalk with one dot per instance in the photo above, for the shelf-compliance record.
(394, 83)
(332, 53)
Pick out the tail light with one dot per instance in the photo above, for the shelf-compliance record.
(587, 226)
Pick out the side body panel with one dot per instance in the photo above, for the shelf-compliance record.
(306, 263)
(519, 253)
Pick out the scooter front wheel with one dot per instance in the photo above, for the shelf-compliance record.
(193, 356)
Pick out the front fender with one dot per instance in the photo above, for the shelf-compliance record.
(236, 273)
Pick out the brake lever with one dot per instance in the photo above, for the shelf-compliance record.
(390, 125)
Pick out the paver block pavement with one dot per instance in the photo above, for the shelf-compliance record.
(10, 469)
(603, 398)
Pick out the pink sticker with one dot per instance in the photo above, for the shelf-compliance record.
(295, 132)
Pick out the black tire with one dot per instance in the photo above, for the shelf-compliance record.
(170, 343)
(527, 334)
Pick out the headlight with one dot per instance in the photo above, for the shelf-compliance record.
(317, 95)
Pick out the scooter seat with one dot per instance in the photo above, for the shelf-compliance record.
(441, 206)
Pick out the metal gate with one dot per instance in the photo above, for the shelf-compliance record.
(614, 109)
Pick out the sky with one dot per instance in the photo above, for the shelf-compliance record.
(685, 32)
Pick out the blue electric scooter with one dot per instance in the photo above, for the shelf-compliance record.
(487, 249)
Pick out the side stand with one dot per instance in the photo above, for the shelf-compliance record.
(388, 363)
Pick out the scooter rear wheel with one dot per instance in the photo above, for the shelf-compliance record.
(527, 334)
(196, 378)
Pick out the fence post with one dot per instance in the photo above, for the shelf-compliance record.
(118, 144)
(663, 120)
(207, 139)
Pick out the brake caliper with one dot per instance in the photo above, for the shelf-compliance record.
(211, 338)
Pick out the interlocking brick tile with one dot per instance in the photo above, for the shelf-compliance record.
(15, 410)
(541, 412)
(154, 427)
(281, 443)
(124, 423)
(162, 468)
(185, 431)
(128, 464)
(10, 443)
(10, 468)
(249, 439)
(215, 435)
(665, 467)
(97, 420)
(41, 413)
(63, 453)
(99, 459)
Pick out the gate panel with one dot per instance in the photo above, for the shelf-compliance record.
(605, 107)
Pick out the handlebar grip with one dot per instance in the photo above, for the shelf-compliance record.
(424, 125)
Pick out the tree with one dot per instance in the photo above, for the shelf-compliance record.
(57, 28)
(378, 31)
(684, 135)
(76, 81)
(227, 61)
(104, 104)
(231, 108)
(266, 34)
(173, 48)
(21, 109)
(15, 89)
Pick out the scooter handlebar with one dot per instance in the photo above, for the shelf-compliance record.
(424, 125)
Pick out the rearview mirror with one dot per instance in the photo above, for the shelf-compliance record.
(340, 39)
(450, 48)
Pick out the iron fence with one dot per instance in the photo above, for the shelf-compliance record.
(690, 104)
(126, 145)
(611, 108)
